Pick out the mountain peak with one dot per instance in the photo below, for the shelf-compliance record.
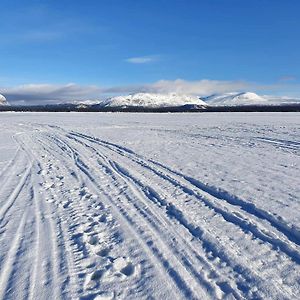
(3, 100)
(249, 96)
(235, 98)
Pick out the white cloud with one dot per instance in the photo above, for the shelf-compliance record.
(199, 87)
(51, 93)
(287, 78)
(142, 59)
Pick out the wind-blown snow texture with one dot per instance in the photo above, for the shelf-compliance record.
(139, 206)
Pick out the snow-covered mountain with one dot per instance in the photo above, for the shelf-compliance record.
(229, 99)
(247, 98)
(281, 100)
(157, 101)
(3, 100)
(153, 100)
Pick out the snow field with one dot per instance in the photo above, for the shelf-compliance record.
(132, 206)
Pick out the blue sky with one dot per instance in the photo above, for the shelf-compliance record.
(97, 47)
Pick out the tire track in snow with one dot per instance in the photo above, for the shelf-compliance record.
(281, 144)
(195, 231)
(50, 268)
(11, 256)
(226, 287)
(208, 192)
(189, 227)
(78, 211)
(151, 217)
(11, 177)
(11, 163)
(19, 276)
(14, 195)
(239, 209)
(63, 281)
(292, 233)
(44, 270)
(71, 257)
(187, 253)
(135, 227)
(237, 220)
(37, 260)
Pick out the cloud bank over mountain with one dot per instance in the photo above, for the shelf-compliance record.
(48, 93)
(32, 94)
(52, 93)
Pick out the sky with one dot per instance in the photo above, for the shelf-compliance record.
(66, 50)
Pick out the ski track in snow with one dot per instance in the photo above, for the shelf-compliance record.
(83, 217)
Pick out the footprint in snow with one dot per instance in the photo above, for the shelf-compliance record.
(92, 280)
(50, 200)
(97, 205)
(123, 266)
(93, 240)
(94, 197)
(103, 252)
(91, 226)
(83, 191)
(103, 218)
(66, 204)
(97, 275)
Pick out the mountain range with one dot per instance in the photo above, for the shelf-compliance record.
(153, 101)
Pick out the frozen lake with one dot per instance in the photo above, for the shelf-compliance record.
(134, 206)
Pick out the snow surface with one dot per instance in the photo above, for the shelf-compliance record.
(152, 100)
(139, 206)
(3, 100)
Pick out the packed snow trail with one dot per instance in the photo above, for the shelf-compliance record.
(84, 217)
